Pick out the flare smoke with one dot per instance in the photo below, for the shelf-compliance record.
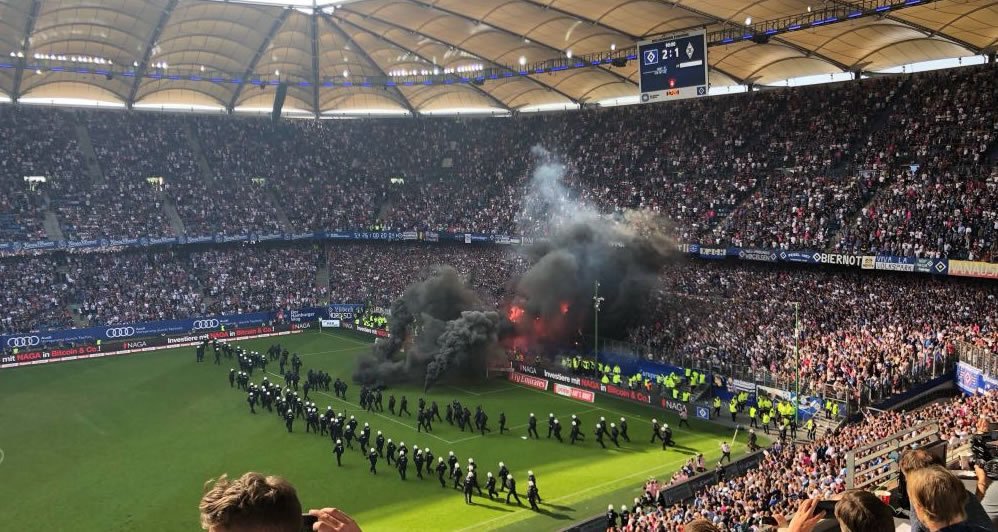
(445, 329)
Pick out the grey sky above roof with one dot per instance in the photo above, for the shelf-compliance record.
(377, 38)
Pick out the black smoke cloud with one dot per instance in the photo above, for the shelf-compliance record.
(445, 330)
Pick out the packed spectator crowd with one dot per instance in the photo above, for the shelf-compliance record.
(877, 165)
(863, 333)
(55, 291)
(792, 472)
(377, 275)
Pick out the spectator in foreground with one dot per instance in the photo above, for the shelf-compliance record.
(258, 503)
(862, 511)
(917, 459)
(939, 498)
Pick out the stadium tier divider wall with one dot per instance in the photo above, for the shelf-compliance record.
(961, 268)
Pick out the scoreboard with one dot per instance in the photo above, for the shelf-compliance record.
(673, 67)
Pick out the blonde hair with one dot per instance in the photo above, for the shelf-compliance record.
(939, 495)
(251, 503)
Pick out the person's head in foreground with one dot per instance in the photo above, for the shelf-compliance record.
(937, 497)
(862, 511)
(251, 503)
(700, 525)
(258, 503)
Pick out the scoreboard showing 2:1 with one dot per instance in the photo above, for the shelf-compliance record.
(673, 67)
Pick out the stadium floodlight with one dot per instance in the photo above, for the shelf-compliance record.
(748, 21)
(523, 60)
(346, 73)
(613, 46)
(568, 54)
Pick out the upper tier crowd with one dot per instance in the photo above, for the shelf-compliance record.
(878, 165)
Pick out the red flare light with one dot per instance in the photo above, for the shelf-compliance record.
(564, 308)
(515, 313)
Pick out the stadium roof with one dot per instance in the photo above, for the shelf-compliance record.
(411, 55)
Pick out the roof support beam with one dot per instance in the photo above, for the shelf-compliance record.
(363, 53)
(390, 42)
(313, 22)
(547, 6)
(278, 22)
(725, 22)
(140, 73)
(22, 46)
(929, 32)
(507, 32)
(458, 48)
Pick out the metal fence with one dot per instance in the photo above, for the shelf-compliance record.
(981, 358)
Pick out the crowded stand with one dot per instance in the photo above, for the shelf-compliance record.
(792, 472)
(870, 339)
(876, 167)
(34, 295)
(252, 279)
(46, 292)
(941, 185)
(378, 274)
(34, 143)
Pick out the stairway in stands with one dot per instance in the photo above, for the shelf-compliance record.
(282, 216)
(172, 216)
(195, 144)
(91, 163)
(876, 124)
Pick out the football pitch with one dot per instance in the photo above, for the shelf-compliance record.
(127, 442)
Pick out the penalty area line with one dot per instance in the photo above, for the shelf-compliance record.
(2, 456)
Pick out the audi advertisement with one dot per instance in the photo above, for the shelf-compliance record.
(92, 350)
(158, 328)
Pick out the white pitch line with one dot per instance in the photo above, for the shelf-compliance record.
(344, 338)
(574, 493)
(345, 349)
(479, 394)
(2, 456)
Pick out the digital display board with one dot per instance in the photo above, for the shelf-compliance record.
(673, 67)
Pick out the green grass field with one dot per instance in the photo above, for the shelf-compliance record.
(126, 443)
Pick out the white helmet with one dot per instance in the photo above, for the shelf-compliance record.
(613, 425)
(609, 507)
(501, 464)
(426, 449)
(490, 474)
(551, 415)
(530, 473)
(451, 453)
(471, 460)
(621, 419)
(440, 459)
(379, 433)
(338, 441)
(372, 449)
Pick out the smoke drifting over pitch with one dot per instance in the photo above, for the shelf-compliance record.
(445, 330)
